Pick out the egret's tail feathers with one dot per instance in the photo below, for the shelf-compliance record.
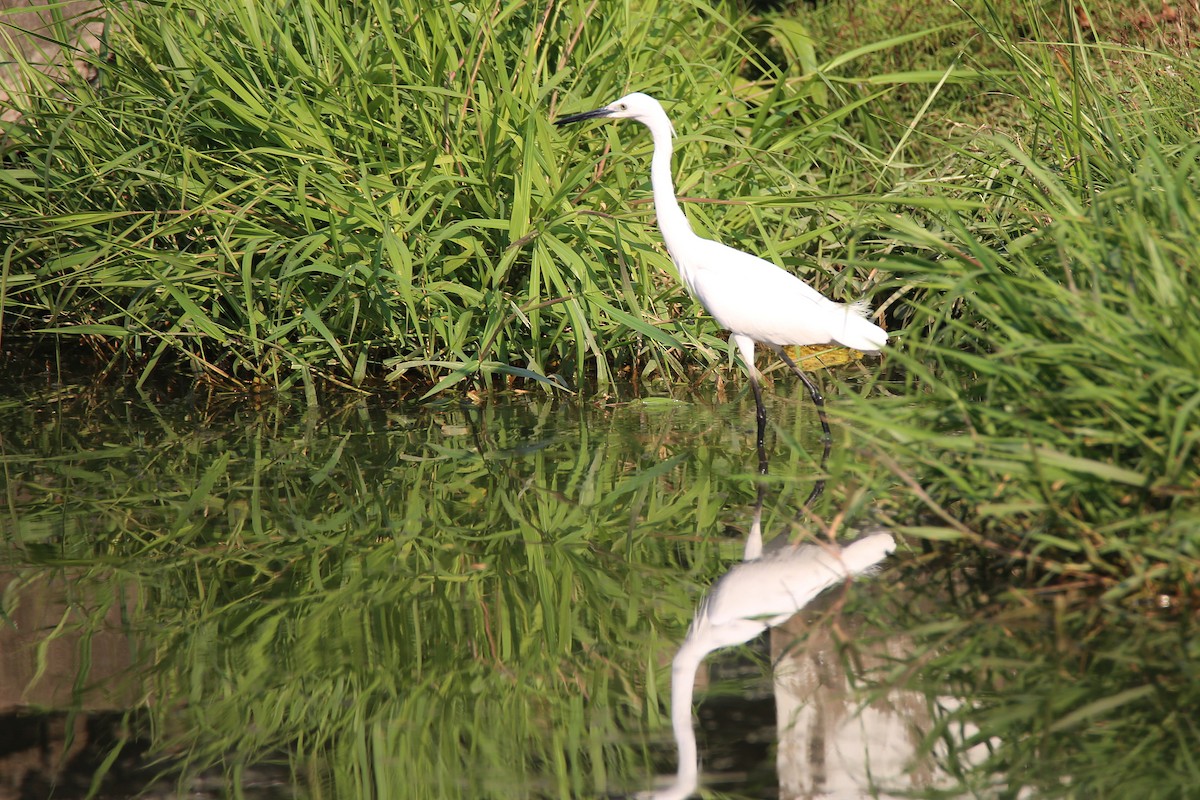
(860, 556)
(858, 331)
(860, 307)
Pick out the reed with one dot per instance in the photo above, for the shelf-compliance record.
(1036, 435)
(271, 194)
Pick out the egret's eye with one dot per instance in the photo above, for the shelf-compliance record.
(621, 107)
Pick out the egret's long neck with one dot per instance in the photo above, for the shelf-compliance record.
(671, 221)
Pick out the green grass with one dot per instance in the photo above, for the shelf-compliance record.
(1039, 426)
(260, 194)
(1049, 377)
(270, 196)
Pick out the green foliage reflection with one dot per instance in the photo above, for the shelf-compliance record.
(469, 602)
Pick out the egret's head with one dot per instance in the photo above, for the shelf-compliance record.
(641, 107)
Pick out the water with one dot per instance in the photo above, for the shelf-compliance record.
(456, 601)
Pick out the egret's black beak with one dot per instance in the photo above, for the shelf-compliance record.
(597, 114)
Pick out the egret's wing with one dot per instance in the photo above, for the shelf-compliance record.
(758, 299)
(753, 297)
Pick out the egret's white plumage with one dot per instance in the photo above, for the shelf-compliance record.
(762, 591)
(755, 300)
(759, 301)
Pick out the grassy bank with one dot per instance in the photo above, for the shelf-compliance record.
(1047, 345)
(269, 194)
(263, 195)
(1041, 431)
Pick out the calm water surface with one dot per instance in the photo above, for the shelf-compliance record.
(208, 596)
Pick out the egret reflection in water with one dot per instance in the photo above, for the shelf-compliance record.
(762, 591)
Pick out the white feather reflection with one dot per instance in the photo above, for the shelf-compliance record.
(834, 746)
(762, 591)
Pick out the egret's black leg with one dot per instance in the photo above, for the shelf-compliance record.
(817, 489)
(817, 399)
(826, 435)
(761, 418)
(754, 544)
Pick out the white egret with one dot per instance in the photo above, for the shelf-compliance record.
(755, 300)
(760, 592)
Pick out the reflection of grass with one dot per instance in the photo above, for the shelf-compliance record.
(1056, 692)
(457, 603)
